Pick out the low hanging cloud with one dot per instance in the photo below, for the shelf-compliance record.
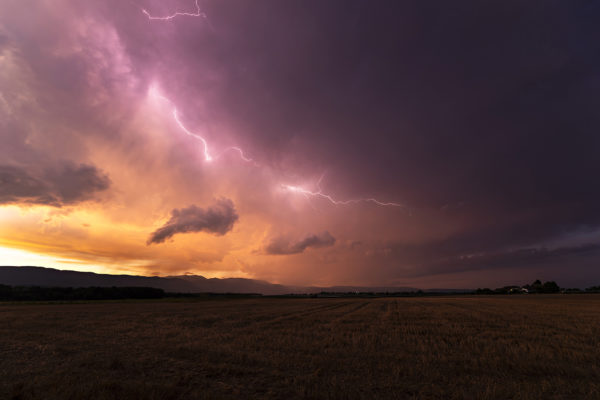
(217, 219)
(63, 185)
(280, 246)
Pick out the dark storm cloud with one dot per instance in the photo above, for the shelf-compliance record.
(487, 105)
(479, 115)
(62, 185)
(279, 246)
(217, 219)
(482, 117)
(512, 258)
(456, 101)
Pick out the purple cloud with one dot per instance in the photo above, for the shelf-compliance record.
(279, 246)
(217, 219)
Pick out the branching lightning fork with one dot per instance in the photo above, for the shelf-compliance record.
(208, 157)
(309, 193)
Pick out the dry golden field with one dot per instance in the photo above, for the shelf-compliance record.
(499, 347)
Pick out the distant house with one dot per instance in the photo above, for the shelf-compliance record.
(517, 290)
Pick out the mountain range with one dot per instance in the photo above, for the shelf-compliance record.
(40, 276)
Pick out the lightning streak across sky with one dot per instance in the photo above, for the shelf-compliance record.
(198, 13)
(207, 156)
(309, 193)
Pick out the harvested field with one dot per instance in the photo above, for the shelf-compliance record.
(498, 347)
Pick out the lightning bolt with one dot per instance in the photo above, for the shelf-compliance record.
(309, 193)
(240, 152)
(198, 13)
(154, 93)
(208, 157)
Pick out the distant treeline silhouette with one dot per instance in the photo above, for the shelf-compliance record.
(35, 293)
(536, 287)
(44, 293)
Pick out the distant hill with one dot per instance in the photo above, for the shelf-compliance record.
(231, 285)
(40, 276)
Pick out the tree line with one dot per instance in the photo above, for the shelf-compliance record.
(36, 293)
(536, 287)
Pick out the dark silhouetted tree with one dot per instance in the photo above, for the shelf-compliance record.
(550, 287)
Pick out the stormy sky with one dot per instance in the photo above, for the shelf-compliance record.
(410, 143)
